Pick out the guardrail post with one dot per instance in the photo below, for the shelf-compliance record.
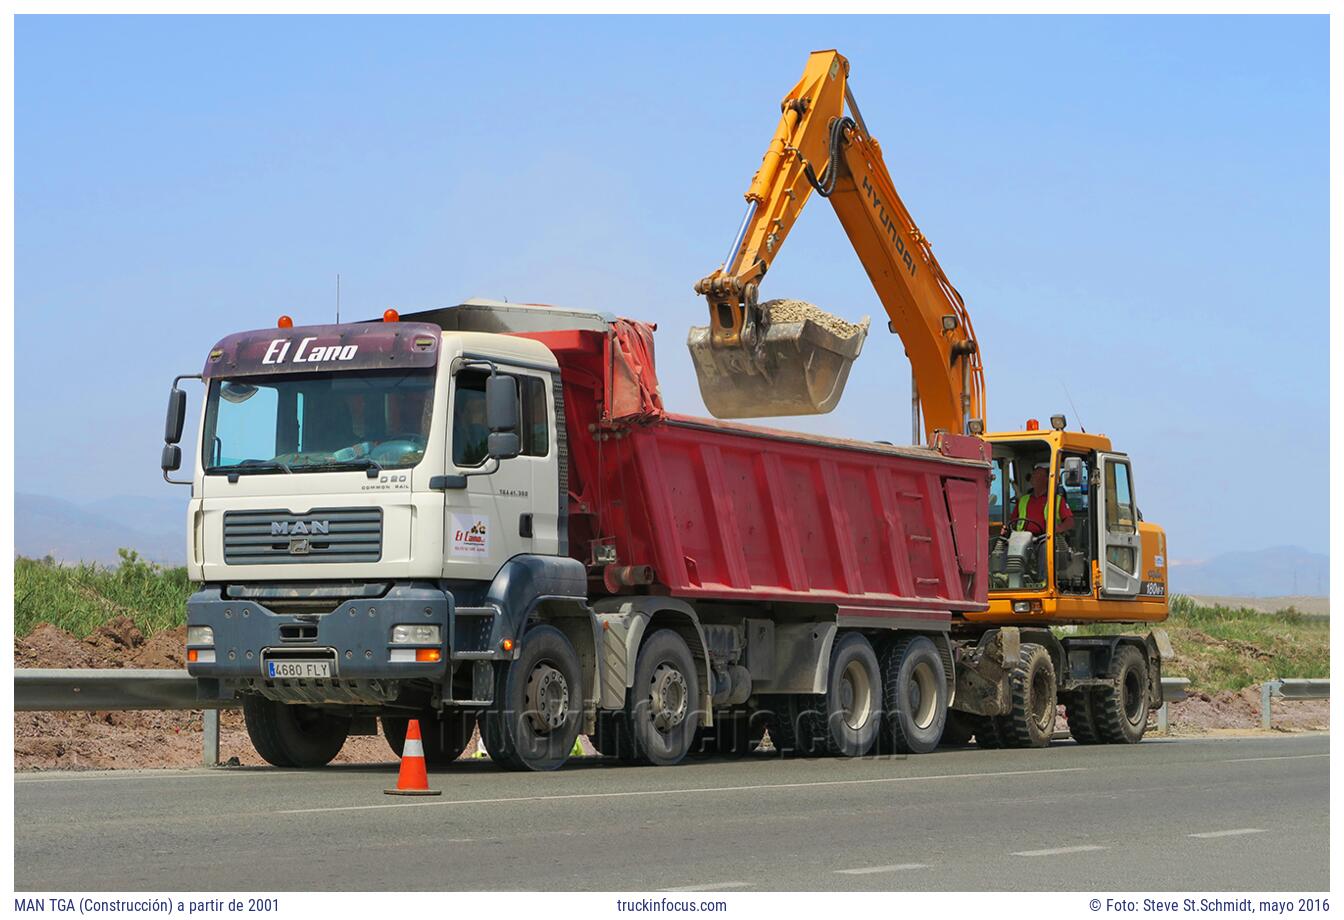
(1267, 691)
(210, 743)
(1162, 724)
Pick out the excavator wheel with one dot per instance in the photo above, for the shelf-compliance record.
(1122, 707)
(1079, 710)
(1031, 721)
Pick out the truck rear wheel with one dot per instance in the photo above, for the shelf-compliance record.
(915, 686)
(444, 737)
(662, 709)
(292, 735)
(1121, 709)
(534, 720)
(853, 700)
(1035, 702)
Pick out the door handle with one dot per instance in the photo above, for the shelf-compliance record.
(525, 525)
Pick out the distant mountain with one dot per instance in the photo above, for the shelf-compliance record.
(93, 532)
(1279, 570)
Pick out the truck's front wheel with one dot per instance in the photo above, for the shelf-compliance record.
(292, 735)
(534, 721)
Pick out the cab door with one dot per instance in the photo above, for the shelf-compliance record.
(508, 507)
(1117, 527)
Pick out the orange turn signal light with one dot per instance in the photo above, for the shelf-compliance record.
(285, 322)
(191, 654)
(428, 654)
(391, 316)
(507, 645)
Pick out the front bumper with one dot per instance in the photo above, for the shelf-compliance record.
(355, 637)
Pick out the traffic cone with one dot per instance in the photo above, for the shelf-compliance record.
(413, 780)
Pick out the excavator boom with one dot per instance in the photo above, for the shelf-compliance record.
(751, 366)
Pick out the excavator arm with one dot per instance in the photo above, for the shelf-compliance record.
(749, 366)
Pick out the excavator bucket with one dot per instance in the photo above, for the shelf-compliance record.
(800, 368)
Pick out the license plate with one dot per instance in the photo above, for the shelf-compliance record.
(288, 669)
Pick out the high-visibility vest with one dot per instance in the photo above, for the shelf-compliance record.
(1022, 509)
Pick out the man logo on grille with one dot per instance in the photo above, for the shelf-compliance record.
(300, 528)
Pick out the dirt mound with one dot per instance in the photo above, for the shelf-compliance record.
(116, 644)
(1240, 709)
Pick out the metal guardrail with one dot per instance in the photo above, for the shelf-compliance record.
(118, 689)
(1290, 689)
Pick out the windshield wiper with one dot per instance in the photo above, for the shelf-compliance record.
(249, 466)
(367, 463)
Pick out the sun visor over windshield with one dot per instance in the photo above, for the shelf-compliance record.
(307, 349)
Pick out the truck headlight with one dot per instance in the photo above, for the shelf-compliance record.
(1021, 606)
(415, 634)
(200, 635)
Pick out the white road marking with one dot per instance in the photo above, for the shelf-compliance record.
(1059, 851)
(717, 886)
(900, 867)
(695, 791)
(1235, 833)
(1280, 757)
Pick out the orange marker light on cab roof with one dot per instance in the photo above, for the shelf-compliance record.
(284, 322)
(391, 316)
(1033, 425)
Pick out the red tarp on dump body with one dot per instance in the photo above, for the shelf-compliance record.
(739, 512)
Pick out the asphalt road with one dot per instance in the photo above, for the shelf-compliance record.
(1208, 814)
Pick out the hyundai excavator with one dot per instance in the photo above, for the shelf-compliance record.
(755, 360)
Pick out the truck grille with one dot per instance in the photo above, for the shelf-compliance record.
(321, 535)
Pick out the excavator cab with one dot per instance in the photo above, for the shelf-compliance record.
(791, 359)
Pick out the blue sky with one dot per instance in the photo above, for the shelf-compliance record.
(1134, 208)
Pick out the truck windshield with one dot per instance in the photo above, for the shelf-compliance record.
(314, 422)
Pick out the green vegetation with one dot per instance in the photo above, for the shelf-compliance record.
(1226, 648)
(1218, 648)
(80, 598)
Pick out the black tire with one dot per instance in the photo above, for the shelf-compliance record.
(538, 706)
(914, 684)
(1121, 708)
(797, 725)
(854, 698)
(987, 733)
(958, 730)
(1030, 723)
(662, 731)
(292, 735)
(1078, 709)
(444, 737)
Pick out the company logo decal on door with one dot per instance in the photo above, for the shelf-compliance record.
(471, 535)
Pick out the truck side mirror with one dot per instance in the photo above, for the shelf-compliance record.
(501, 405)
(177, 416)
(1073, 472)
(502, 445)
(171, 458)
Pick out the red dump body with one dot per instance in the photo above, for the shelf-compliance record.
(705, 509)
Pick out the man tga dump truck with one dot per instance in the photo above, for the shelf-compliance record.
(484, 514)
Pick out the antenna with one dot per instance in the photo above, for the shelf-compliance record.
(338, 298)
(1076, 414)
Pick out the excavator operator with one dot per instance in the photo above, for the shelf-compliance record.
(1029, 513)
